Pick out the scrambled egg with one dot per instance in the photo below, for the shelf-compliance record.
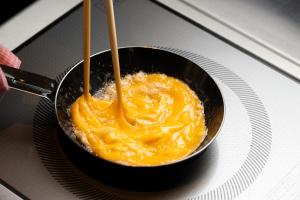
(161, 120)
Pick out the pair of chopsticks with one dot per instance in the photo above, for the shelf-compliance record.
(113, 45)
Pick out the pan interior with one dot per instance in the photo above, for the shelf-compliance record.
(149, 60)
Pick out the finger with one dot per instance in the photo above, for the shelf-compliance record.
(8, 58)
(3, 82)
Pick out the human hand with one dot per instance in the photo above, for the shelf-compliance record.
(9, 59)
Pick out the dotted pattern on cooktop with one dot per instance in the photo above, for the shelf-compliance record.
(47, 144)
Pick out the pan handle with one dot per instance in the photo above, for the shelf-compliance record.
(31, 83)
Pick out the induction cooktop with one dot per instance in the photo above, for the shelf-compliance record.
(256, 155)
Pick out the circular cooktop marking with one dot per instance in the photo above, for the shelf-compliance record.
(82, 186)
(260, 145)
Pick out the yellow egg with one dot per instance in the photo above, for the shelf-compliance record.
(162, 121)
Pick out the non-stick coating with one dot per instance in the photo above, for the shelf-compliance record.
(135, 59)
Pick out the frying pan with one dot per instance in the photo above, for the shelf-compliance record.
(132, 60)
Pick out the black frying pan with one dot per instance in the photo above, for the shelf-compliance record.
(132, 59)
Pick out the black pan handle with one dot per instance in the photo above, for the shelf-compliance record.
(30, 82)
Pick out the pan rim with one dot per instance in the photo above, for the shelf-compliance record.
(191, 155)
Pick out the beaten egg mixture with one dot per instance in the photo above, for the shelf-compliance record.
(161, 120)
